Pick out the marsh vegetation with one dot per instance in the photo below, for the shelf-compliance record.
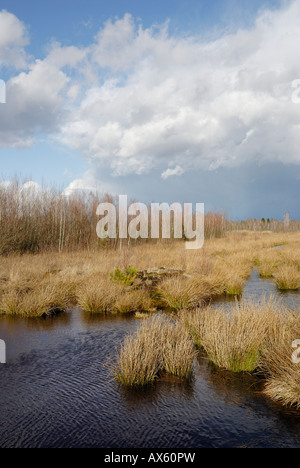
(46, 269)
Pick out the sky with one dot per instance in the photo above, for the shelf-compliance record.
(166, 101)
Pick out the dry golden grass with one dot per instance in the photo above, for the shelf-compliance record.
(282, 265)
(139, 359)
(287, 278)
(36, 299)
(233, 341)
(83, 278)
(285, 389)
(160, 345)
(266, 270)
(181, 293)
(98, 294)
(260, 337)
(133, 301)
(255, 336)
(11, 303)
(44, 301)
(283, 372)
(178, 352)
(234, 269)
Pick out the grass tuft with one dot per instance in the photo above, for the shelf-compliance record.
(159, 345)
(280, 363)
(287, 278)
(232, 341)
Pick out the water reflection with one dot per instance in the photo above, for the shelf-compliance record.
(39, 323)
(165, 385)
(94, 319)
(257, 288)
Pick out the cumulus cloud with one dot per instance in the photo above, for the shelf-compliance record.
(39, 98)
(184, 102)
(31, 189)
(89, 182)
(13, 40)
(177, 171)
(34, 104)
(138, 100)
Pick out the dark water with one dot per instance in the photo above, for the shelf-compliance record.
(56, 391)
(257, 288)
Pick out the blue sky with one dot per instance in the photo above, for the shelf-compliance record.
(165, 100)
(72, 21)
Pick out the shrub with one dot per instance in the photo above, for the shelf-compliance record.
(127, 278)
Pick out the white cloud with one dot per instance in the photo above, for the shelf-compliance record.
(34, 104)
(5, 184)
(61, 57)
(177, 171)
(122, 44)
(182, 101)
(13, 40)
(39, 98)
(89, 183)
(31, 189)
(140, 99)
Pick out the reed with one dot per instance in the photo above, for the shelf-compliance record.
(84, 278)
(178, 351)
(189, 291)
(266, 271)
(99, 295)
(133, 301)
(11, 304)
(48, 299)
(287, 278)
(233, 341)
(282, 371)
(235, 272)
(160, 345)
(234, 284)
(181, 293)
(139, 359)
